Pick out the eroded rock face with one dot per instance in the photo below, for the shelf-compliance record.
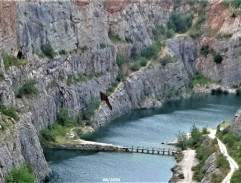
(235, 126)
(20, 144)
(147, 88)
(80, 28)
(210, 168)
(150, 86)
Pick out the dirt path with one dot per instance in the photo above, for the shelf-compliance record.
(186, 164)
(233, 165)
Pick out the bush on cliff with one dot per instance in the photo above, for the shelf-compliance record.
(28, 88)
(22, 174)
(9, 111)
(233, 3)
(92, 105)
(199, 79)
(180, 22)
(205, 50)
(47, 50)
(238, 92)
(64, 118)
(10, 60)
(150, 51)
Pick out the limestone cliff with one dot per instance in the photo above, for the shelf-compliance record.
(84, 63)
(77, 31)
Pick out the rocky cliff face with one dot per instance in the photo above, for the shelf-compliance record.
(210, 168)
(221, 33)
(79, 30)
(235, 126)
(152, 85)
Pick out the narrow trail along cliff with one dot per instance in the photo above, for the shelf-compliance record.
(233, 165)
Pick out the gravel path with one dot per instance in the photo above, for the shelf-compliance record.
(233, 165)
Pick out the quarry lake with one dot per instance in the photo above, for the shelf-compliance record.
(147, 128)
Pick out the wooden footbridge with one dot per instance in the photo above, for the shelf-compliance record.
(156, 151)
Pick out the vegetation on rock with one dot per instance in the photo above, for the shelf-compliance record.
(48, 51)
(233, 144)
(114, 37)
(199, 79)
(10, 61)
(1, 76)
(180, 22)
(22, 174)
(28, 89)
(168, 59)
(9, 111)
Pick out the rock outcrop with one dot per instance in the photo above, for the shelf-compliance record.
(235, 125)
(210, 168)
(152, 85)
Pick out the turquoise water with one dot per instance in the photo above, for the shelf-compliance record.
(148, 128)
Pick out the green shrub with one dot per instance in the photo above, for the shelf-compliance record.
(193, 32)
(218, 58)
(114, 37)
(236, 177)
(120, 60)
(47, 50)
(128, 40)
(168, 59)
(22, 174)
(170, 33)
(222, 161)
(62, 52)
(50, 133)
(205, 131)
(195, 138)
(238, 92)
(234, 3)
(200, 20)
(28, 88)
(182, 141)
(64, 122)
(217, 91)
(230, 139)
(150, 51)
(224, 35)
(136, 66)
(225, 92)
(9, 111)
(204, 50)
(120, 75)
(180, 22)
(134, 53)
(102, 46)
(1, 76)
(199, 172)
(162, 33)
(83, 49)
(159, 30)
(10, 61)
(92, 105)
(143, 61)
(64, 118)
(199, 79)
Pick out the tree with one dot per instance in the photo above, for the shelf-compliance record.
(182, 140)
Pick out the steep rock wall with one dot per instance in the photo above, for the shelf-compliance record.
(80, 28)
(154, 84)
